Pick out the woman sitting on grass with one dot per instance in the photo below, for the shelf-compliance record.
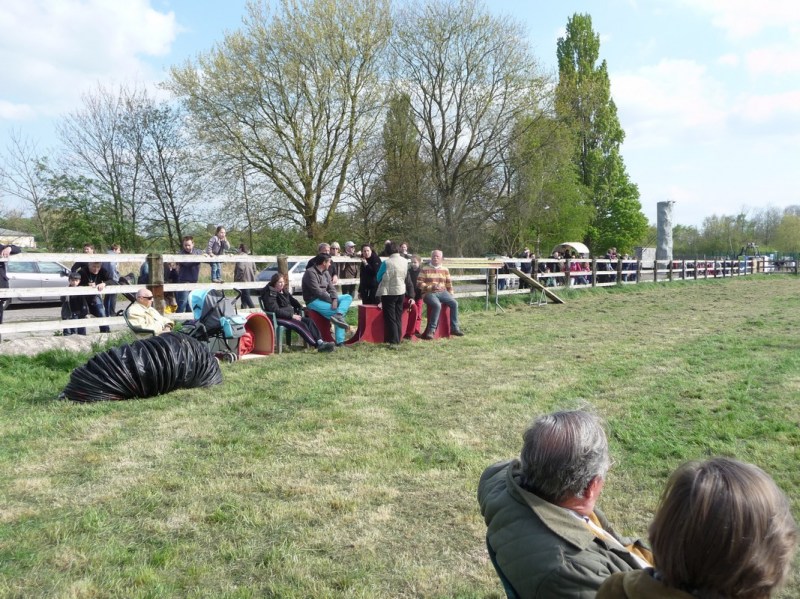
(288, 312)
(723, 530)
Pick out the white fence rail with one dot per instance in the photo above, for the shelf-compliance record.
(472, 277)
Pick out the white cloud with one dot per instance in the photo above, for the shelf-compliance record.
(774, 60)
(673, 99)
(52, 51)
(745, 18)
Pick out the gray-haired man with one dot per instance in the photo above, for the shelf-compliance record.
(545, 536)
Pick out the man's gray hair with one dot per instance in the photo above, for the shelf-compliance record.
(561, 454)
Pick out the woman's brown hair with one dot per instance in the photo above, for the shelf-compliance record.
(723, 528)
(276, 277)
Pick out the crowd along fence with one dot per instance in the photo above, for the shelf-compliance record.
(472, 277)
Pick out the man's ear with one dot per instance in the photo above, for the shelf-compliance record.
(594, 487)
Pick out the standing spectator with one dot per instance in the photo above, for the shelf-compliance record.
(217, 245)
(404, 250)
(414, 325)
(171, 271)
(325, 248)
(349, 270)
(94, 275)
(112, 268)
(387, 247)
(188, 272)
(320, 295)
(88, 248)
(391, 290)
(368, 284)
(5, 252)
(526, 266)
(245, 272)
(437, 288)
(73, 307)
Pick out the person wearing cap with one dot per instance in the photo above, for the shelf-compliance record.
(142, 315)
(349, 270)
(74, 307)
(335, 248)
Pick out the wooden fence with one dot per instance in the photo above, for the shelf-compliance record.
(472, 277)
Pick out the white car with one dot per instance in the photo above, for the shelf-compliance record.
(296, 272)
(24, 275)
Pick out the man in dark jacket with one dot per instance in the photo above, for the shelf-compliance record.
(545, 537)
(5, 252)
(320, 295)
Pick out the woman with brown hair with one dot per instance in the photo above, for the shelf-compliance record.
(275, 298)
(723, 529)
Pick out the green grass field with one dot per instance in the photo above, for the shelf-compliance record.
(354, 474)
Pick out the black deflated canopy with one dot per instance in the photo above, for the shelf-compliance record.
(145, 368)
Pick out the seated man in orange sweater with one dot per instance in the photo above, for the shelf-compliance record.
(436, 287)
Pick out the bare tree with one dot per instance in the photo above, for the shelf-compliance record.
(26, 176)
(99, 146)
(294, 94)
(470, 77)
(174, 182)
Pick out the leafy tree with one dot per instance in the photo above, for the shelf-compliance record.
(583, 101)
(293, 94)
(547, 204)
(787, 236)
(404, 186)
(469, 77)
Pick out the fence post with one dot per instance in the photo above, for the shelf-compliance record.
(619, 271)
(568, 273)
(155, 262)
(655, 271)
(594, 272)
(638, 271)
(671, 266)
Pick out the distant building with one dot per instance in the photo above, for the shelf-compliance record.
(23, 240)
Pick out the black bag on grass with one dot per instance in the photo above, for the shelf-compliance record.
(144, 368)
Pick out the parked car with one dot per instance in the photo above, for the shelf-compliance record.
(296, 271)
(25, 275)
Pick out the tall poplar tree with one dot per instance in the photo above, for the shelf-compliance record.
(583, 101)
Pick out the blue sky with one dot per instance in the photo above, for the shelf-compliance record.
(708, 91)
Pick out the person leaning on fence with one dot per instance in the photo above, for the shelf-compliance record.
(94, 275)
(112, 268)
(189, 272)
(348, 270)
(320, 295)
(142, 314)
(217, 244)
(289, 313)
(722, 529)
(5, 252)
(245, 272)
(436, 288)
(545, 536)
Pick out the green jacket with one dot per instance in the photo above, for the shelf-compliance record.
(638, 585)
(542, 549)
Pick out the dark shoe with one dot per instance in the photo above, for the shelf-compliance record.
(326, 346)
(457, 332)
(428, 334)
(339, 321)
